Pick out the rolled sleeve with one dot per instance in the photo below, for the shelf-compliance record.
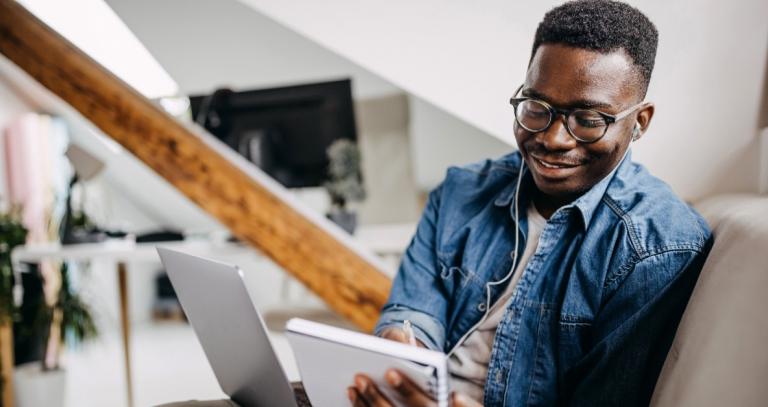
(426, 328)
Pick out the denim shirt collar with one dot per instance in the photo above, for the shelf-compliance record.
(586, 204)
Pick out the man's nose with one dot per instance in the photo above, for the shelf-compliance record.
(556, 137)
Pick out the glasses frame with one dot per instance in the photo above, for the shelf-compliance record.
(566, 114)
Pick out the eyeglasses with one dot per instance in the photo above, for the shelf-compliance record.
(584, 125)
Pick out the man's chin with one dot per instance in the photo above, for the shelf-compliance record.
(559, 189)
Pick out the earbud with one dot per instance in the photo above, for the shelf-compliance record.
(636, 132)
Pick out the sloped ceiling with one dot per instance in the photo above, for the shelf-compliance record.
(207, 44)
(464, 57)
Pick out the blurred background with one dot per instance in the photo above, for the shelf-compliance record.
(357, 108)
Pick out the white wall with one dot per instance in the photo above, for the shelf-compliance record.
(440, 140)
(708, 84)
(460, 56)
(205, 44)
(467, 57)
(389, 173)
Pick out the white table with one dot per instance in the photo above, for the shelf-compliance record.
(122, 252)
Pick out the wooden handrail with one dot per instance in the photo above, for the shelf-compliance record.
(250, 207)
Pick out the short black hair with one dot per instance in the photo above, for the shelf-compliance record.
(603, 26)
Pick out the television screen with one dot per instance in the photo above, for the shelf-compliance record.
(285, 131)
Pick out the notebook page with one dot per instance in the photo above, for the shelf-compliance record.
(329, 357)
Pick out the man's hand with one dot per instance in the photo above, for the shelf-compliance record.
(398, 335)
(365, 393)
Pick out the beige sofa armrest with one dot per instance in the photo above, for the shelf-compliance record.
(720, 353)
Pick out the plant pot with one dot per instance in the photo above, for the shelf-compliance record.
(29, 331)
(34, 387)
(345, 219)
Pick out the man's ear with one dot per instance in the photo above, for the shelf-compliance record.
(644, 116)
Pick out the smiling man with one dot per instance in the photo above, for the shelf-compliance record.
(556, 275)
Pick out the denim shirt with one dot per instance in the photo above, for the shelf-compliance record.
(596, 308)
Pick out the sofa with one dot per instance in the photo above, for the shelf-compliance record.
(719, 356)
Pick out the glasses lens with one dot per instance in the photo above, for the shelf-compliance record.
(533, 115)
(587, 125)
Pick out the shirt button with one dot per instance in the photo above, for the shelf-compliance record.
(512, 254)
(481, 307)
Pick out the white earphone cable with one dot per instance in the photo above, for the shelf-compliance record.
(488, 286)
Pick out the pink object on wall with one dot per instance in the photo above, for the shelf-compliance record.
(26, 158)
(29, 169)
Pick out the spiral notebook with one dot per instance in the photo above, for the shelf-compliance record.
(329, 357)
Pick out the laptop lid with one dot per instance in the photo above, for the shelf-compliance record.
(230, 330)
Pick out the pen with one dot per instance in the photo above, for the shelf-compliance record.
(408, 329)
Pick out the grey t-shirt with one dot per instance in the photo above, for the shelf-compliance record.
(468, 364)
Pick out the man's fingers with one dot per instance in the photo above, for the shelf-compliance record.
(413, 394)
(394, 334)
(355, 398)
(398, 335)
(461, 400)
(368, 391)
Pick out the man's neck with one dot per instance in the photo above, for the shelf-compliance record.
(547, 205)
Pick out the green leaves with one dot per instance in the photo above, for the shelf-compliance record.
(76, 315)
(12, 234)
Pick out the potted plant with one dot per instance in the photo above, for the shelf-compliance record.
(345, 183)
(12, 234)
(68, 320)
(40, 329)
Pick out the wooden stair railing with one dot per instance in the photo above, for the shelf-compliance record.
(250, 207)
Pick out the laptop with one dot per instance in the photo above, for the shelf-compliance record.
(230, 329)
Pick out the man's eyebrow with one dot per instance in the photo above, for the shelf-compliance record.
(585, 103)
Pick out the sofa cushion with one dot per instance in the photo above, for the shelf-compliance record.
(720, 353)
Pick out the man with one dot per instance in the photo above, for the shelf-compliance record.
(555, 275)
